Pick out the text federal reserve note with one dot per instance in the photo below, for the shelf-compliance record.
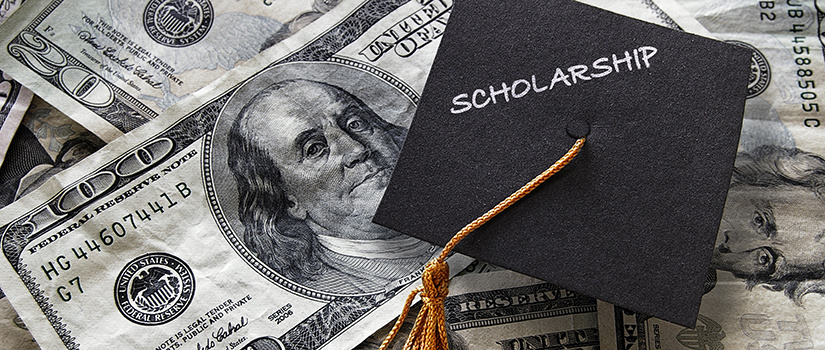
(241, 218)
(113, 64)
(765, 289)
(508, 311)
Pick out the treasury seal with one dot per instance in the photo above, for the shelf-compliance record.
(154, 289)
(178, 23)
(760, 76)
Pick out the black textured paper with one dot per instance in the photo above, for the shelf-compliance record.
(633, 219)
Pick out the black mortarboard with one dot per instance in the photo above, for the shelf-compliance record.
(633, 219)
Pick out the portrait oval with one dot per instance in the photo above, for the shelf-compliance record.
(297, 163)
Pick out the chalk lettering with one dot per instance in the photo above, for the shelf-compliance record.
(519, 88)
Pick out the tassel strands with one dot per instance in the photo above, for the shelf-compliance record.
(430, 330)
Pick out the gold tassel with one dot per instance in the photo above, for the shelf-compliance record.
(430, 330)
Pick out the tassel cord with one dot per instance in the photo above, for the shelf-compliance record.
(429, 331)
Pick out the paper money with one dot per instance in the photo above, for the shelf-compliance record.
(506, 310)
(114, 65)
(241, 218)
(14, 100)
(766, 286)
(179, 227)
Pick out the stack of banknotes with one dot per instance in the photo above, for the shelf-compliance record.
(189, 174)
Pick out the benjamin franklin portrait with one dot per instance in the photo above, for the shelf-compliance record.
(310, 161)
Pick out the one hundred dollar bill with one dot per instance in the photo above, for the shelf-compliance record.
(505, 310)
(765, 289)
(114, 65)
(242, 217)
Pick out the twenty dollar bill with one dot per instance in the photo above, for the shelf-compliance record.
(765, 289)
(114, 65)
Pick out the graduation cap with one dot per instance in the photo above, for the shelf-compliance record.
(633, 219)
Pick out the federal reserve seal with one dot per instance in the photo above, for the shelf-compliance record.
(154, 289)
(178, 23)
(760, 76)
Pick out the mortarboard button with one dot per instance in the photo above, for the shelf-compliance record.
(578, 128)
